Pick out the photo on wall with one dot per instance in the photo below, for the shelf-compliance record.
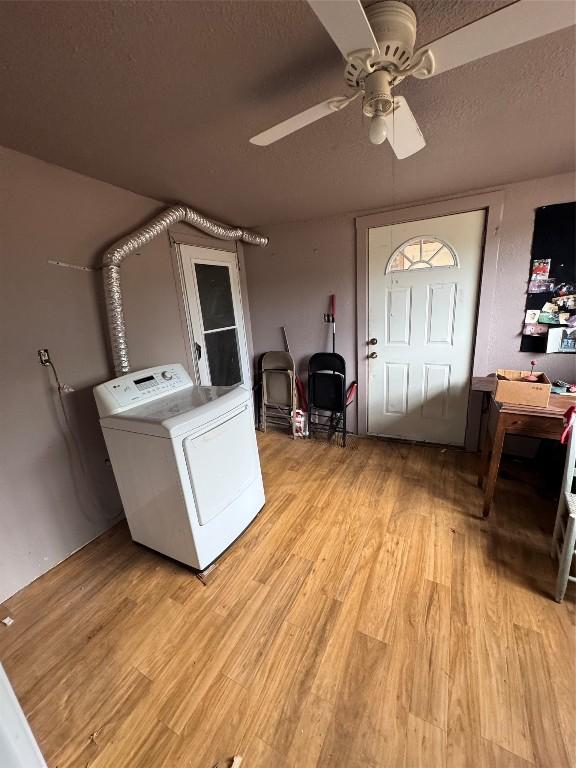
(565, 302)
(531, 316)
(540, 269)
(535, 329)
(561, 340)
(550, 318)
(541, 286)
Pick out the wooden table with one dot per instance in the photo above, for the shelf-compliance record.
(506, 419)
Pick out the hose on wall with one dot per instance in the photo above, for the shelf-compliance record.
(115, 255)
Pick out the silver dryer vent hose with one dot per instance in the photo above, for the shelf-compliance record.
(115, 255)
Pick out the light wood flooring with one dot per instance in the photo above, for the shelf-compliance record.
(368, 617)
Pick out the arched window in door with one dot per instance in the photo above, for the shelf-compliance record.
(422, 253)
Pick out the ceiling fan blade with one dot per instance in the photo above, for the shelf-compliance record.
(346, 23)
(404, 135)
(515, 24)
(286, 127)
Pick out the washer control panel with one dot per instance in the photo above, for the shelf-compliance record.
(140, 387)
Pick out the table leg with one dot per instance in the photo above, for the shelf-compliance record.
(485, 460)
(490, 482)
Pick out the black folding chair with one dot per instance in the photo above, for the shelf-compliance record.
(327, 394)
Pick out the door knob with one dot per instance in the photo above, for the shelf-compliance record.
(373, 342)
(373, 355)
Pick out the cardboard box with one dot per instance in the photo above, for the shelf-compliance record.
(511, 389)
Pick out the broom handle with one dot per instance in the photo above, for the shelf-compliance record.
(286, 339)
(333, 313)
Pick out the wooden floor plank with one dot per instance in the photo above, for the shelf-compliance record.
(150, 746)
(429, 698)
(503, 714)
(348, 735)
(493, 756)
(379, 602)
(439, 551)
(202, 657)
(215, 729)
(558, 636)
(329, 677)
(251, 645)
(368, 618)
(103, 697)
(310, 732)
(425, 744)
(545, 730)
(464, 723)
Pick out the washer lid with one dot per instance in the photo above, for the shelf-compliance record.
(178, 413)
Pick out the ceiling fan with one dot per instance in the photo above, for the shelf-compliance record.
(378, 45)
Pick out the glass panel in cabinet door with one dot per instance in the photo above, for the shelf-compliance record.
(223, 358)
(215, 296)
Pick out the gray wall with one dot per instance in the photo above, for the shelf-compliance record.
(290, 280)
(48, 507)
(521, 200)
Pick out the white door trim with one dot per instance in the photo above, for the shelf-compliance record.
(493, 203)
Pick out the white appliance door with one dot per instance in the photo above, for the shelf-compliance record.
(222, 463)
(423, 295)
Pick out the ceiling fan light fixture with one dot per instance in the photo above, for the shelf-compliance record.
(378, 130)
(378, 99)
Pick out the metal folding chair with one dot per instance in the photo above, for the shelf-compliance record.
(278, 390)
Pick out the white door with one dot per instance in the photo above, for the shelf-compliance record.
(215, 319)
(423, 294)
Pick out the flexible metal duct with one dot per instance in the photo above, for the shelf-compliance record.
(115, 255)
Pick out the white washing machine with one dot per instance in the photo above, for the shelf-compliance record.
(185, 459)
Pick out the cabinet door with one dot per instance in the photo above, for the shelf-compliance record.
(214, 310)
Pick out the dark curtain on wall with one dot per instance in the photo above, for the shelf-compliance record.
(555, 239)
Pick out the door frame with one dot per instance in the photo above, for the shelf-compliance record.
(493, 204)
(230, 248)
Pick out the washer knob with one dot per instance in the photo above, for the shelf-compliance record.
(166, 375)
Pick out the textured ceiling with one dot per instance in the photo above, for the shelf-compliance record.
(162, 97)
